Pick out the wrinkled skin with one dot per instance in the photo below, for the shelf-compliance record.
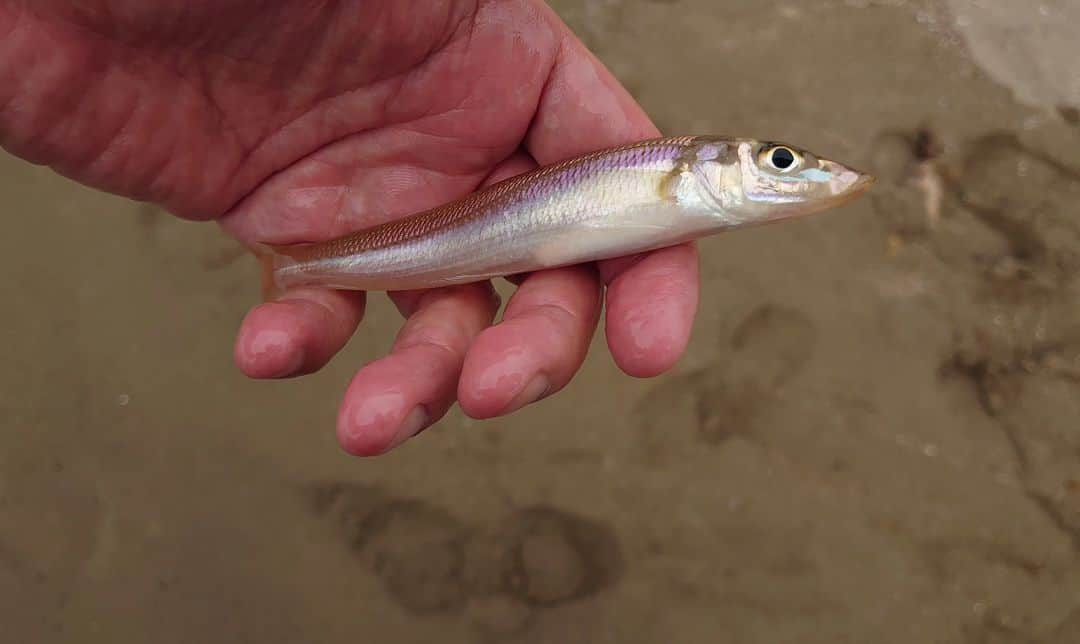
(297, 121)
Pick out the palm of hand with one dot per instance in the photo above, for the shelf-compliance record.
(301, 121)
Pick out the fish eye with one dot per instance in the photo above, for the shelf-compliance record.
(781, 158)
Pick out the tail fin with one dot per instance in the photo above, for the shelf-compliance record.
(265, 256)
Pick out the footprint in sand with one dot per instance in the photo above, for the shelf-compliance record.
(769, 348)
(431, 562)
(559, 557)
(416, 549)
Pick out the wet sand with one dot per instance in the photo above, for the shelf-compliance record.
(875, 436)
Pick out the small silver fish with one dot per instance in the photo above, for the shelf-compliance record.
(606, 204)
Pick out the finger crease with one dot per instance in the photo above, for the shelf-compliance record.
(448, 352)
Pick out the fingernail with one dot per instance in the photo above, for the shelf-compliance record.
(416, 420)
(535, 390)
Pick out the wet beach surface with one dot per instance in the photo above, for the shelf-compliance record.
(875, 436)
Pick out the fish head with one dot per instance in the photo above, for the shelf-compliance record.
(762, 181)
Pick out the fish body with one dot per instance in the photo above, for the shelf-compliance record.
(606, 204)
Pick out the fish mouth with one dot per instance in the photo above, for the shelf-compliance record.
(851, 188)
(862, 184)
(844, 183)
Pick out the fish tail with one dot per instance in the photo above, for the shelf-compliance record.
(266, 255)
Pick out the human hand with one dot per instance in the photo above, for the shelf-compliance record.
(299, 121)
